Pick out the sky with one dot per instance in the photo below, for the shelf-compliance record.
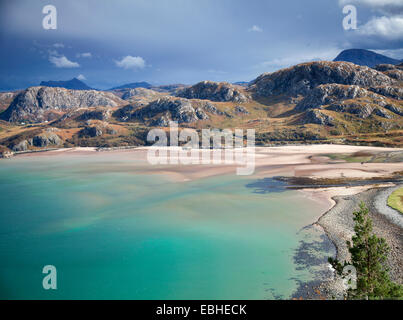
(108, 43)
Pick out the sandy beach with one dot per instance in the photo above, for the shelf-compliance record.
(298, 161)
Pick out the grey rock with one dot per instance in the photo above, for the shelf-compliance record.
(37, 104)
(393, 92)
(382, 113)
(317, 117)
(46, 139)
(301, 79)
(99, 114)
(361, 111)
(94, 131)
(214, 91)
(209, 107)
(241, 110)
(20, 146)
(394, 109)
(329, 93)
(180, 110)
(140, 92)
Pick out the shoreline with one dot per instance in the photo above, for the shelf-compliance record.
(337, 223)
(299, 162)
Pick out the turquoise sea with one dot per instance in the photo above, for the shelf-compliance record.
(115, 233)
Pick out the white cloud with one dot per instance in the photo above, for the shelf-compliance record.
(373, 3)
(81, 77)
(393, 53)
(130, 62)
(58, 45)
(386, 27)
(217, 71)
(63, 62)
(255, 28)
(84, 55)
(327, 55)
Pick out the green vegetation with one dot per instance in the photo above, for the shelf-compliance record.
(368, 257)
(395, 200)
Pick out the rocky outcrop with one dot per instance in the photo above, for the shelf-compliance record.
(214, 91)
(394, 109)
(382, 113)
(317, 117)
(125, 113)
(44, 139)
(140, 92)
(301, 79)
(392, 71)
(5, 152)
(209, 107)
(91, 131)
(240, 110)
(329, 93)
(180, 110)
(21, 146)
(98, 114)
(393, 92)
(385, 67)
(5, 99)
(37, 104)
(361, 110)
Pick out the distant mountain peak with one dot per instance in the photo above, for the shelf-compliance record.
(364, 57)
(133, 85)
(74, 84)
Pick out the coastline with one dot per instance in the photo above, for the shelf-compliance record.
(337, 223)
(338, 202)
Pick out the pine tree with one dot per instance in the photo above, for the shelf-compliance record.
(368, 256)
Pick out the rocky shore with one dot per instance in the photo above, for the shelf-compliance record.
(338, 224)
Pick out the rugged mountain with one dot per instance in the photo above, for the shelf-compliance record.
(37, 104)
(329, 93)
(394, 92)
(365, 58)
(161, 111)
(133, 85)
(301, 79)
(214, 91)
(140, 93)
(5, 99)
(73, 84)
(393, 71)
(313, 102)
(169, 88)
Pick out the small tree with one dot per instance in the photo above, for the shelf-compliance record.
(368, 257)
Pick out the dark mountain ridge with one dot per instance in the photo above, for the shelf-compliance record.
(364, 57)
(73, 84)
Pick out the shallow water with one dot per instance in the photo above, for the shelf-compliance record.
(114, 233)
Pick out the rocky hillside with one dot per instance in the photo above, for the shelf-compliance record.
(38, 104)
(301, 79)
(393, 71)
(214, 91)
(5, 99)
(312, 102)
(161, 111)
(329, 93)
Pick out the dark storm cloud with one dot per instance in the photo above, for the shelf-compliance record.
(172, 41)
